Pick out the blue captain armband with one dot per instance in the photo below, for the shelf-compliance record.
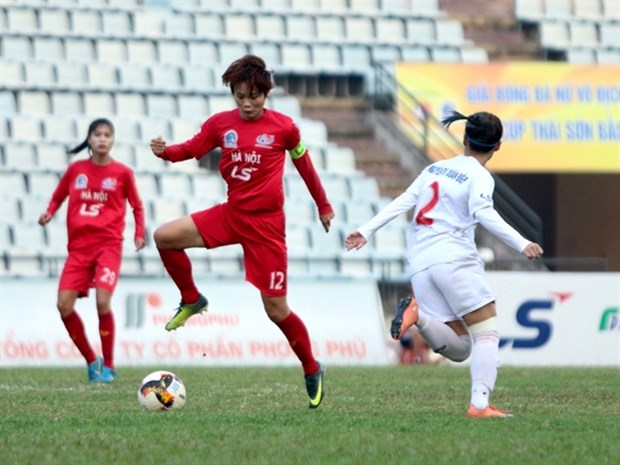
(298, 151)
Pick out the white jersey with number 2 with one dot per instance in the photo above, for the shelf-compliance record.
(449, 198)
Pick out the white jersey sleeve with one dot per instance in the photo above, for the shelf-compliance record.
(492, 222)
(401, 204)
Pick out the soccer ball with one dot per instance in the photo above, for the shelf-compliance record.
(162, 390)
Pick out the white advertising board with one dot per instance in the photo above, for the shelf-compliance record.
(344, 319)
(554, 319)
(544, 319)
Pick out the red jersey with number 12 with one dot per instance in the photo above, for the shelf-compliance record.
(97, 202)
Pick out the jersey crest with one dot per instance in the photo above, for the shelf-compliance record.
(265, 140)
(81, 182)
(230, 139)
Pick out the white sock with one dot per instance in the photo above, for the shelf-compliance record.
(443, 340)
(484, 365)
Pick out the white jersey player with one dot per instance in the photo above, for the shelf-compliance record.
(454, 301)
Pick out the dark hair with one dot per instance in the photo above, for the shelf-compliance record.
(250, 69)
(483, 129)
(91, 128)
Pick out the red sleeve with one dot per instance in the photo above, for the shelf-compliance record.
(60, 193)
(199, 145)
(133, 197)
(313, 182)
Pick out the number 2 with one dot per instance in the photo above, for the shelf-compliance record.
(420, 218)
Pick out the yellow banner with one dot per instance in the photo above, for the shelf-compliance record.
(557, 117)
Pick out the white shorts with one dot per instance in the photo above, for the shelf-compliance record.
(447, 291)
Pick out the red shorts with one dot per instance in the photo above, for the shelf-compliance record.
(262, 237)
(96, 267)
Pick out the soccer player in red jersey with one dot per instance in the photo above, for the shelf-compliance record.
(98, 189)
(254, 141)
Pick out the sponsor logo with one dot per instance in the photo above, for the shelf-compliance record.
(610, 320)
(136, 305)
(527, 318)
(109, 184)
(265, 140)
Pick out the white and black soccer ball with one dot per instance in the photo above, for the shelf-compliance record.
(162, 390)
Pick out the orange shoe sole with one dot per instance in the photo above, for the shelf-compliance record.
(488, 412)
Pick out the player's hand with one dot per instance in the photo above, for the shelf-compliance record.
(139, 243)
(532, 251)
(355, 240)
(45, 218)
(326, 220)
(158, 145)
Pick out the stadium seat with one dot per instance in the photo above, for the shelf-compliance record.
(584, 34)
(414, 53)
(97, 104)
(33, 103)
(330, 28)
(421, 31)
(426, 8)
(9, 212)
(175, 186)
(145, 161)
(356, 57)
(239, 26)
(209, 186)
(17, 48)
(19, 156)
(66, 103)
(54, 21)
(449, 32)
(12, 75)
(21, 20)
(198, 78)
(112, 51)
(13, 183)
(300, 211)
(390, 30)
(474, 55)
(39, 75)
(446, 54)
(558, 9)
(48, 49)
(202, 53)
(611, 10)
(609, 34)
(554, 35)
(79, 50)
(130, 105)
(60, 129)
(340, 160)
(359, 29)
(300, 27)
(25, 128)
(270, 27)
(166, 209)
(142, 52)
(149, 23)
(529, 11)
(178, 25)
(86, 22)
(327, 56)
(70, 75)
(581, 56)
(7, 102)
(588, 9)
(222, 261)
(231, 51)
(268, 51)
(116, 23)
(608, 56)
(209, 25)
(124, 153)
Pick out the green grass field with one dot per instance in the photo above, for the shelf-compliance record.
(388, 415)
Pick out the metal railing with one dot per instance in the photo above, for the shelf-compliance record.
(421, 127)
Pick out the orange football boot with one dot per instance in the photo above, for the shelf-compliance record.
(488, 412)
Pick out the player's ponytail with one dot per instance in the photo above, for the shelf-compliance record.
(91, 128)
(483, 129)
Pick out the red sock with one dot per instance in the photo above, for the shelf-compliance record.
(295, 331)
(75, 328)
(179, 267)
(107, 333)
